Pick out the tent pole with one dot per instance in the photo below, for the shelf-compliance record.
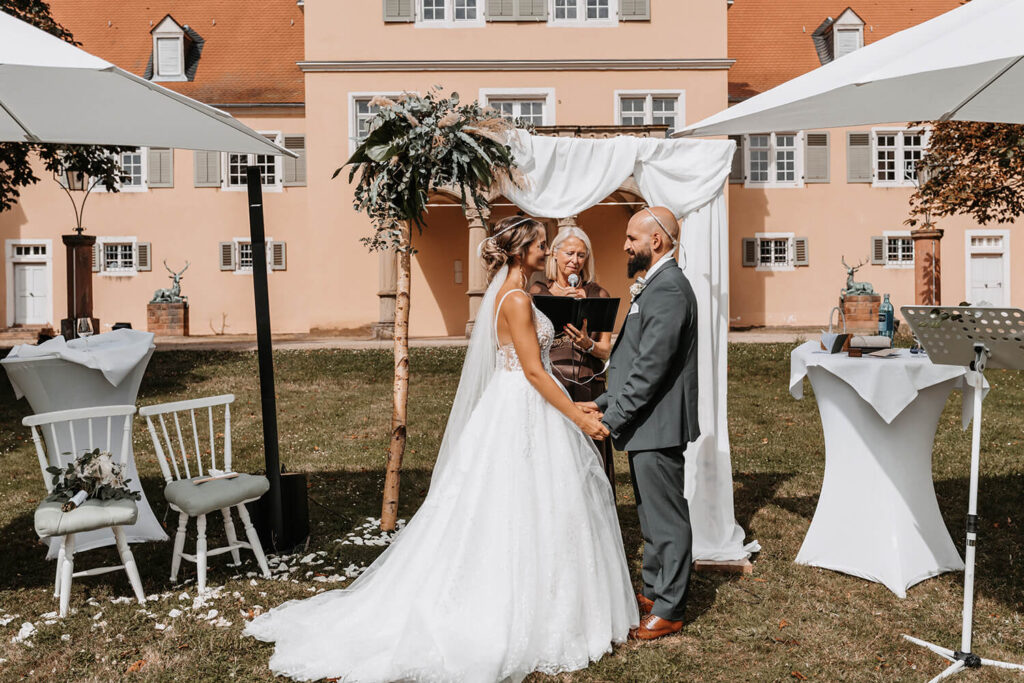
(258, 241)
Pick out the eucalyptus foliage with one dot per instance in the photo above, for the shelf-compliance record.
(94, 472)
(418, 144)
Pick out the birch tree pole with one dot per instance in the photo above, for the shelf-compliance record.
(416, 145)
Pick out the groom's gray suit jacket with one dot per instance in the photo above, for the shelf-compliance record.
(651, 401)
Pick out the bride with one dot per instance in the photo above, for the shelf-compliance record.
(514, 562)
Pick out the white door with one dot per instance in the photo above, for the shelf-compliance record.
(987, 279)
(31, 294)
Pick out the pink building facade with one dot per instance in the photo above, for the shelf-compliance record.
(305, 73)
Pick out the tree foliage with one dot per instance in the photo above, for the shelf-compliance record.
(100, 163)
(418, 144)
(971, 168)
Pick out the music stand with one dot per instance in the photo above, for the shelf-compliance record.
(976, 338)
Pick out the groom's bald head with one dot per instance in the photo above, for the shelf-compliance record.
(652, 232)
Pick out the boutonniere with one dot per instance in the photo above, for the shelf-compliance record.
(636, 288)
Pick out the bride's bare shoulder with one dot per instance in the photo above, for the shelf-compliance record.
(515, 302)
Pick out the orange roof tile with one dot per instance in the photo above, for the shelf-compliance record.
(249, 54)
(771, 39)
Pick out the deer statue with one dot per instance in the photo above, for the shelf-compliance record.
(853, 287)
(173, 294)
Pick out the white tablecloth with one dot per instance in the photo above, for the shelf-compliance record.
(104, 370)
(877, 517)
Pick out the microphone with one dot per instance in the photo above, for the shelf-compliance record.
(574, 280)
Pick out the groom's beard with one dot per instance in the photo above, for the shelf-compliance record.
(638, 261)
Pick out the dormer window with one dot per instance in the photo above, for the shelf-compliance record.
(847, 34)
(173, 49)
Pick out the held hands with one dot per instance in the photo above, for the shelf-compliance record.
(589, 407)
(591, 425)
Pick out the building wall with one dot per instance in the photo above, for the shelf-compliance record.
(839, 218)
(183, 224)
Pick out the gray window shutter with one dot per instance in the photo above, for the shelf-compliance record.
(501, 10)
(97, 257)
(749, 252)
(737, 175)
(858, 158)
(531, 10)
(399, 10)
(227, 255)
(144, 260)
(278, 255)
(816, 158)
(160, 171)
(878, 251)
(207, 169)
(635, 10)
(801, 257)
(295, 169)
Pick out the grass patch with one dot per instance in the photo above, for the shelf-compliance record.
(783, 623)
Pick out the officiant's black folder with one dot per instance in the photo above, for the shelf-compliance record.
(599, 312)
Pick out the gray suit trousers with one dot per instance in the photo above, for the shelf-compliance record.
(665, 524)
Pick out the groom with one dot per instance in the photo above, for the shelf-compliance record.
(650, 409)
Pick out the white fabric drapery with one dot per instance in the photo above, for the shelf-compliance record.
(565, 176)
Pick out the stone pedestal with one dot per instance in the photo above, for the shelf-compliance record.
(79, 279)
(927, 261)
(167, 319)
(861, 311)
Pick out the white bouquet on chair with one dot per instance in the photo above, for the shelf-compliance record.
(94, 474)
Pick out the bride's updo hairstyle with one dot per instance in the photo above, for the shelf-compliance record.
(510, 238)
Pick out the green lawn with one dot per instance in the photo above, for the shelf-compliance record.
(786, 622)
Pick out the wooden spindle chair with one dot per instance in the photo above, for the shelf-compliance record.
(66, 429)
(182, 463)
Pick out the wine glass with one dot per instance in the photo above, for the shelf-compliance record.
(83, 328)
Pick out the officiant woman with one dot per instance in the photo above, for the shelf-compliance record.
(578, 357)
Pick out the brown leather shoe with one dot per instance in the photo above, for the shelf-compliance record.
(644, 603)
(652, 627)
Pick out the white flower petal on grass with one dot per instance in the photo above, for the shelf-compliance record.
(26, 631)
(66, 637)
(123, 599)
(159, 627)
(174, 613)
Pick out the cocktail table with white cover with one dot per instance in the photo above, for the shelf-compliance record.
(102, 370)
(877, 516)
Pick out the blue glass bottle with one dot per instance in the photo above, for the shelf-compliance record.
(886, 322)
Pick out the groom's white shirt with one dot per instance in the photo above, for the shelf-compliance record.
(662, 261)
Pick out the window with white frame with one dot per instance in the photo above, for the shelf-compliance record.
(899, 250)
(897, 154)
(449, 13)
(584, 11)
(29, 250)
(237, 255)
(774, 159)
(236, 167)
(773, 252)
(133, 164)
(651, 109)
(118, 257)
(529, 111)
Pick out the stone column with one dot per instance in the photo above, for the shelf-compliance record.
(387, 272)
(476, 276)
(927, 266)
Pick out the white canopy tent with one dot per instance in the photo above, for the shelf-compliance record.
(51, 91)
(964, 65)
(565, 176)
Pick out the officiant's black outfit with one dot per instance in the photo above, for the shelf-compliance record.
(580, 373)
(650, 409)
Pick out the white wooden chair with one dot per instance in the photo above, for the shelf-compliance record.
(66, 428)
(189, 499)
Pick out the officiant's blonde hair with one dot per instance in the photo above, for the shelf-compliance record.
(551, 267)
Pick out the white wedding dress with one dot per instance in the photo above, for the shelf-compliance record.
(513, 564)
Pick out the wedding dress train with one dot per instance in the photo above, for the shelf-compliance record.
(513, 564)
